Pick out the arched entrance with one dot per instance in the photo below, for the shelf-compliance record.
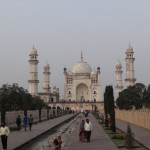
(82, 93)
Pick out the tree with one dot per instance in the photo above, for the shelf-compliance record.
(109, 107)
(124, 101)
(39, 104)
(13, 97)
(132, 96)
(106, 108)
(146, 99)
(129, 139)
(138, 92)
(5, 103)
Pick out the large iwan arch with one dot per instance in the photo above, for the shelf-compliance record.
(82, 92)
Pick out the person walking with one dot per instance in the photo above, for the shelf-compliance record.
(30, 120)
(18, 122)
(86, 113)
(25, 121)
(81, 131)
(88, 129)
(4, 132)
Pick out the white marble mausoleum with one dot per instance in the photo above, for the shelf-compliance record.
(82, 84)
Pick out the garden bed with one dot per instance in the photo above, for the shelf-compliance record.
(118, 137)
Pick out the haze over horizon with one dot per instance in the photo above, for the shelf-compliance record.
(60, 30)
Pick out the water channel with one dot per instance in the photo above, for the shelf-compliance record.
(65, 131)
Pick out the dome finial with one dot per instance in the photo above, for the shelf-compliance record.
(33, 46)
(81, 56)
(46, 64)
(119, 63)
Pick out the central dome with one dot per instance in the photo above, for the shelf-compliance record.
(81, 67)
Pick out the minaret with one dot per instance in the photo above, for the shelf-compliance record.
(33, 74)
(130, 79)
(46, 73)
(118, 72)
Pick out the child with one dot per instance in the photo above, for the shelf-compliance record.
(55, 143)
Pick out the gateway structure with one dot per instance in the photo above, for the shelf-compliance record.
(82, 84)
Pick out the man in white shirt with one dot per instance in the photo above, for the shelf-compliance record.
(88, 129)
(4, 132)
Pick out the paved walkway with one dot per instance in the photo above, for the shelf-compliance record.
(99, 139)
(141, 134)
(17, 138)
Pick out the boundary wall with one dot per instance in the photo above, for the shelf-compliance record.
(137, 117)
(12, 115)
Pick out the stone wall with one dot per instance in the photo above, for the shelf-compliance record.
(11, 116)
(137, 117)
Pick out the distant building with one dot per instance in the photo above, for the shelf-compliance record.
(82, 84)
(47, 95)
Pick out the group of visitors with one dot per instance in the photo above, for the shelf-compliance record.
(26, 120)
(57, 143)
(85, 130)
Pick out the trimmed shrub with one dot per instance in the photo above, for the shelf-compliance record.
(129, 139)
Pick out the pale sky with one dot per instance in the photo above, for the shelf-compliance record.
(61, 29)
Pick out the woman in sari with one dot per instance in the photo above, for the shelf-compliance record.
(81, 131)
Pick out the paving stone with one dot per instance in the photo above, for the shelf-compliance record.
(99, 139)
